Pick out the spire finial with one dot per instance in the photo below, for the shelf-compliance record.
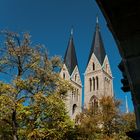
(71, 32)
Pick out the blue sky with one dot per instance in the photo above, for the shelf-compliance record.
(49, 22)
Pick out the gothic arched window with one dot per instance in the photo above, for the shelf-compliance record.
(90, 84)
(64, 76)
(93, 83)
(75, 77)
(74, 108)
(97, 82)
(93, 104)
(93, 66)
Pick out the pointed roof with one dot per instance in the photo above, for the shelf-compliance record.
(70, 58)
(97, 45)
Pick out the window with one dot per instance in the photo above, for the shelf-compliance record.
(93, 66)
(93, 104)
(97, 82)
(74, 108)
(90, 84)
(93, 83)
(64, 76)
(75, 77)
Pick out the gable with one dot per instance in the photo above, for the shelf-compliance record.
(75, 76)
(106, 66)
(93, 61)
(64, 73)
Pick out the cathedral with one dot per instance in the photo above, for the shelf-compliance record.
(98, 79)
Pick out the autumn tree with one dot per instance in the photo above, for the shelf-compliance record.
(32, 95)
(105, 122)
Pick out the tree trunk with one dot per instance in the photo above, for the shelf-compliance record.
(15, 137)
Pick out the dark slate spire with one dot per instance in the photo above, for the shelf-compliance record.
(70, 58)
(97, 45)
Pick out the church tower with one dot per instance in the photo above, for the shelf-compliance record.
(70, 72)
(98, 76)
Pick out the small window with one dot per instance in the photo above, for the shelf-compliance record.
(97, 83)
(93, 66)
(90, 83)
(74, 108)
(75, 77)
(93, 83)
(64, 76)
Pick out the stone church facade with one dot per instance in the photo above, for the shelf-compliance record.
(98, 79)
(70, 72)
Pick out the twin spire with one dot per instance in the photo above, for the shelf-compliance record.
(97, 48)
(70, 58)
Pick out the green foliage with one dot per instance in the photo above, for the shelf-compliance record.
(32, 101)
(104, 122)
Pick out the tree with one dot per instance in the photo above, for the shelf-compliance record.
(105, 122)
(128, 124)
(32, 100)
